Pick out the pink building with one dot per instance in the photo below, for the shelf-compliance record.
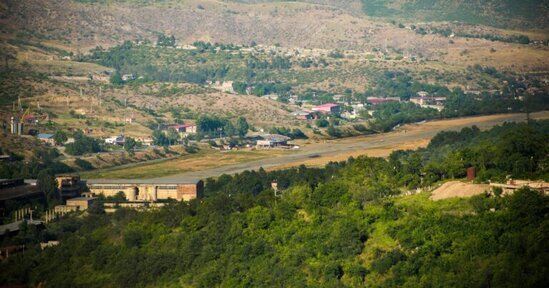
(328, 108)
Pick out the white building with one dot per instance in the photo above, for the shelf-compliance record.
(116, 140)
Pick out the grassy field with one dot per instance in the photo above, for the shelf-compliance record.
(188, 163)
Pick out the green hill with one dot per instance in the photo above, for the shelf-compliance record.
(504, 13)
(344, 225)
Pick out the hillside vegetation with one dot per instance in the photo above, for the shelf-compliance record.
(344, 225)
(505, 13)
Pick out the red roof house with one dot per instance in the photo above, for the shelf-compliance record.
(328, 108)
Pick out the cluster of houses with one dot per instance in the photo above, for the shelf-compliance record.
(314, 112)
(183, 129)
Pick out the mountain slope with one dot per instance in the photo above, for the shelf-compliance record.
(502, 13)
(327, 24)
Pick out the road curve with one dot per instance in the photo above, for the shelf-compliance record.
(407, 133)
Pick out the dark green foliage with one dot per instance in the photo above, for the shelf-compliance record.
(129, 145)
(390, 114)
(240, 87)
(261, 89)
(165, 41)
(505, 13)
(85, 165)
(42, 159)
(82, 144)
(400, 84)
(322, 123)
(116, 78)
(294, 133)
(215, 126)
(60, 137)
(388, 260)
(48, 185)
(159, 138)
(242, 127)
(333, 132)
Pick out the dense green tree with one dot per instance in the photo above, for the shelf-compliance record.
(159, 138)
(129, 145)
(48, 185)
(173, 136)
(82, 144)
(242, 127)
(60, 137)
(116, 78)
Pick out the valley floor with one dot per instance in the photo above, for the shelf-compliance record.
(311, 154)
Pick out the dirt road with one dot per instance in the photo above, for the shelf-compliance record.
(407, 137)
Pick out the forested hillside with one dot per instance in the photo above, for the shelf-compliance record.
(505, 13)
(339, 226)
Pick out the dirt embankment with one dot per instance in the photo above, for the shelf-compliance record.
(458, 189)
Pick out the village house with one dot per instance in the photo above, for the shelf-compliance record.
(145, 141)
(128, 77)
(328, 108)
(47, 138)
(348, 115)
(184, 129)
(116, 140)
(429, 102)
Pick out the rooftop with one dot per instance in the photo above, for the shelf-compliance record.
(182, 126)
(81, 199)
(44, 136)
(382, 100)
(276, 138)
(327, 105)
(300, 113)
(138, 181)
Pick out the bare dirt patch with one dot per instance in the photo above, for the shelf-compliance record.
(458, 189)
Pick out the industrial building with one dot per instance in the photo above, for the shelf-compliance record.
(148, 190)
(68, 185)
(272, 140)
(23, 191)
